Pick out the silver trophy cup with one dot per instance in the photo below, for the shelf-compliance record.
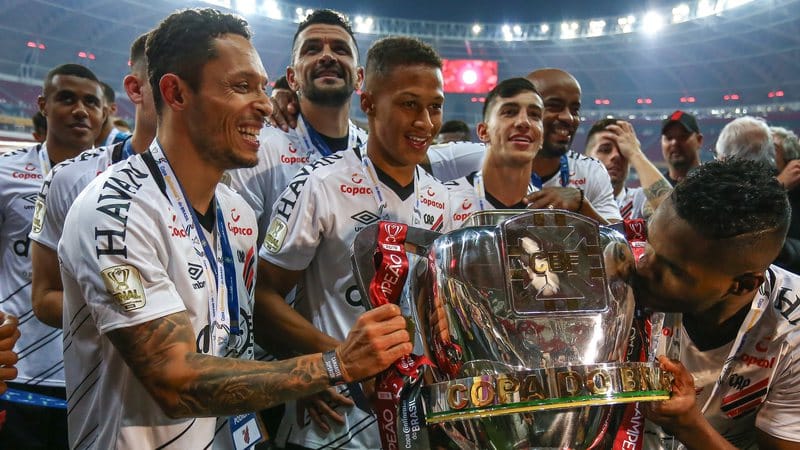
(526, 316)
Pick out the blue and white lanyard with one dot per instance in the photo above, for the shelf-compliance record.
(383, 209)
(313, 142)
(223, 315)
(480, 190)
(44, 160)
(536, 180)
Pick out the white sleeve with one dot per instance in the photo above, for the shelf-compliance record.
(600, 193)
(299, 219)
(455, 159)
(130, 285)
(778, 414)
(55, 198)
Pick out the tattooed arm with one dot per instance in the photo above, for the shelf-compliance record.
(655, 194)
(655, 186)
(185, 383)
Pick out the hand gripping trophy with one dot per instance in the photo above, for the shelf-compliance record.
(522, 329)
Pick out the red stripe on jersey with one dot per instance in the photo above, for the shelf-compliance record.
(747, 391)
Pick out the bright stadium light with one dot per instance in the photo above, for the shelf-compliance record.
(469, 77)
(246, 7)
(737, 3)
(517, 30)
(476, 29)
(705, 8)
(569, 30)
(544, 28)
(626, 23)
(652, 22)
(680, 13)
(596, 27)
(364, 24)
(272, 10)
(507, 36)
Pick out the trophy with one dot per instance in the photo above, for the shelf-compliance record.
(520, 322)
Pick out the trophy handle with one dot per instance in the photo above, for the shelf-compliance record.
(418, 240)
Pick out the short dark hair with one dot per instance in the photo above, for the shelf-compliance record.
(733, 197)
(455, 126)
(507, 88)
(282, 83)
(73, 70)
(324, 17)
(137, 50)
(39, 123)
(599, 126)
(390, 52)
(183, 43)
(108, 92)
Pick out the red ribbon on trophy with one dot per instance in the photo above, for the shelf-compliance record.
(391, 271)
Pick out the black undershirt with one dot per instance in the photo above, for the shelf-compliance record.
(491, 198)
(402, 191)
(206, 220)
(335, 144)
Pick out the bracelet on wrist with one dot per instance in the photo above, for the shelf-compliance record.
(580, 202)
(334, 370)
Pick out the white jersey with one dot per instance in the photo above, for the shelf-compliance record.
(762, 388)
(129, 261)
(39, 346)
(312, 229)
(280, 156)
(62, 185)
(631, 203)
(455, 159)
(467, 199)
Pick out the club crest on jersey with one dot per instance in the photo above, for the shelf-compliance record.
(38, 216)
(124, 283)
(276, 233)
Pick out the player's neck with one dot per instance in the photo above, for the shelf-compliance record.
(58, 151)
(545, 166)
(197, 177)
(505, 182)
(618, 187)
(403, 174)
(141, 139)
(719, 325)
(331, 121)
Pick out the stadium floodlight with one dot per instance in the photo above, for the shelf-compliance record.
(246, 7)
(626, 23)
(469, 76)
(476, 29)
(272, 10)
(596, 27)
(705, 8)
(364, 24)
(517, 30)
(736, 3)
(544, 29)
(652, 22)
(569, 30)
(507, 36)
(680, 13)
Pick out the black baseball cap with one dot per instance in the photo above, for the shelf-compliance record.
(688, 121)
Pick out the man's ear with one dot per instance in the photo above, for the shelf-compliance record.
(133, 87)
(482, 130)
(40, 101)
(291, 78)
(173, 91)
(745, 283)
(366, 103)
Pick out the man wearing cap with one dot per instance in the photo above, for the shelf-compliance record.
(681, 141)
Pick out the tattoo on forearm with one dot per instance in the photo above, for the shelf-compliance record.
(203, 385)
(657, 191)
